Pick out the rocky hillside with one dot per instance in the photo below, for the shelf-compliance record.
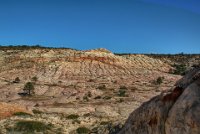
(65, 73)
(185, 59)
(97, 88)
(173, 112)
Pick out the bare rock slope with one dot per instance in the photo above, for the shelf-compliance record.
(100, 88)
(65, 74)
(173, 112)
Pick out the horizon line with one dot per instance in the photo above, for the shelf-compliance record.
(35, 46)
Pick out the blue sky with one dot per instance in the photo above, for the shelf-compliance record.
(132, 26)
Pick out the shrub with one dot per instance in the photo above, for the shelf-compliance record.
(102, 87)
(17, 80)
(36, 111)
(122, 93)
(97, 97)
(34, 79)
(22, 114)
(82, 130)
(73, 116)
(159, 80)
(31, 126)
(179, 69)
(89, 94)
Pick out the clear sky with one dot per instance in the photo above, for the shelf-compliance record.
(132, 26)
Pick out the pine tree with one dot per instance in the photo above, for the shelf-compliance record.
(29, 88)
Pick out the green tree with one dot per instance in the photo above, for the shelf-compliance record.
(29, 88)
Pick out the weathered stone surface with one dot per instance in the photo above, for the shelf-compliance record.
(184, 116)
(65, 75)
(173, 112)
(7, 110)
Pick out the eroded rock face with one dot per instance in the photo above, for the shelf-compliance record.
(7, 110)
(66, 75)
(174, 112)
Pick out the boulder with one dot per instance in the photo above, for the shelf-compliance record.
(176, 111)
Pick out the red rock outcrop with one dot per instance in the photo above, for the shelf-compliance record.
(7, 110)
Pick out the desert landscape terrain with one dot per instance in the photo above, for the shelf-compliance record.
(68, 91)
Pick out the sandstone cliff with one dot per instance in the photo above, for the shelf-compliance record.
(172, 112)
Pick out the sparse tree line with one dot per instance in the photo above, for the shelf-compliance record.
(25, 47)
